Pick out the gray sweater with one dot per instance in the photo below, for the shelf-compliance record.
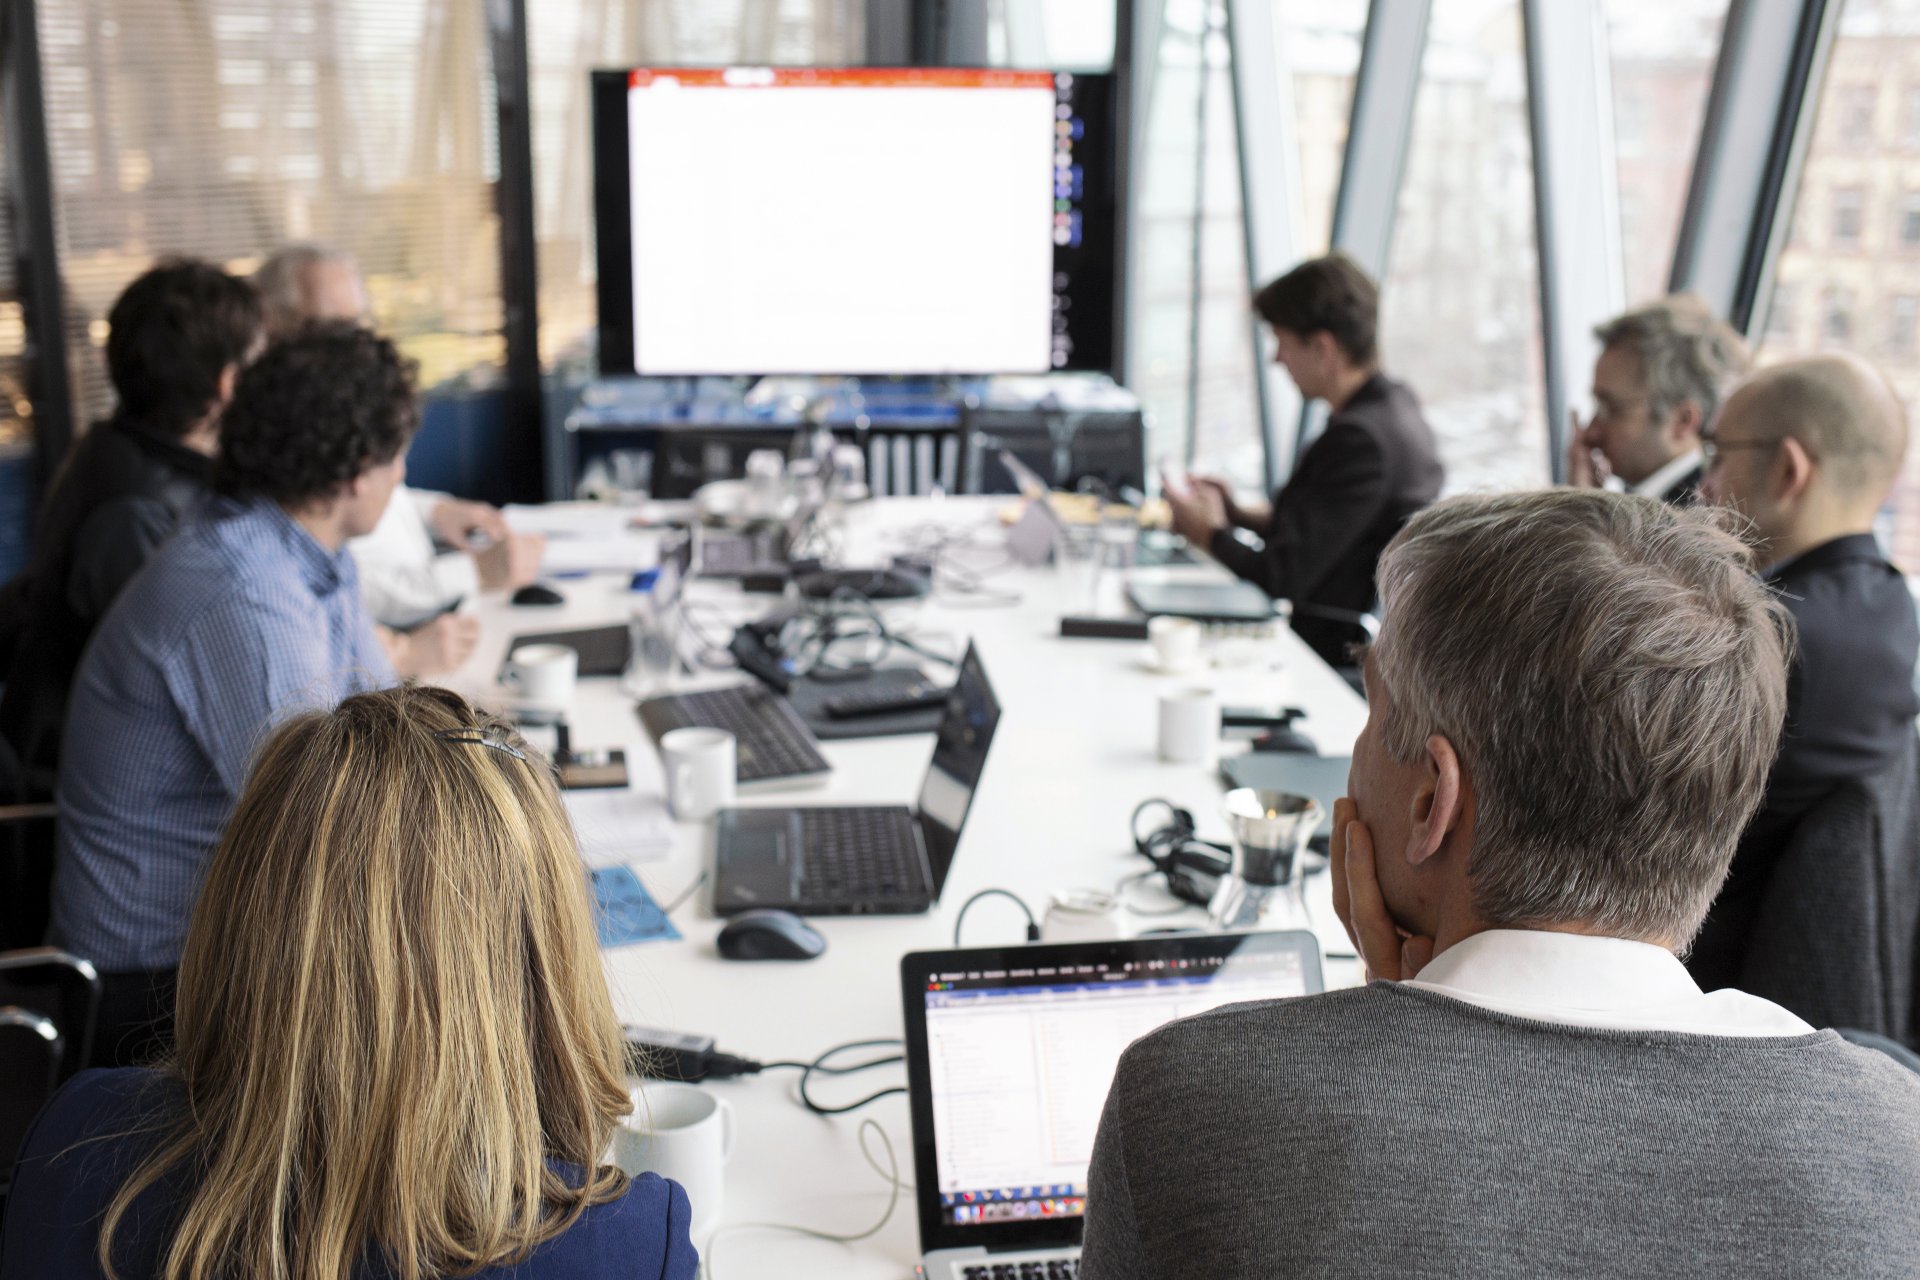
(1386, 1132)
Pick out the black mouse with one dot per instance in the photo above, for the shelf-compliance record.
(537, 593)
(766, 934)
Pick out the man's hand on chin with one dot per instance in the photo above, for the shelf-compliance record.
(1388, 951)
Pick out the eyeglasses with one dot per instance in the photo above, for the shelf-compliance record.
(1711, 449)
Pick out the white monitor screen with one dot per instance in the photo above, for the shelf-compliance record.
(848, 221)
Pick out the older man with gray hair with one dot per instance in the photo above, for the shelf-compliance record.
(1573, 701)
(1662, 371)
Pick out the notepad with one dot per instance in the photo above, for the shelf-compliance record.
(624, 913)
(618, 825)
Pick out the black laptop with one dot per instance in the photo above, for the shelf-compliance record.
(866, 859)
(1202, 601)
(1010, 1052)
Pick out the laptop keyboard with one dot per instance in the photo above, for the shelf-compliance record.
(858, 853)
(1052, 1269)
(771, 740)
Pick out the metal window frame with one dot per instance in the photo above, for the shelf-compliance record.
(1580, 267)
(525, 436)
(1270, 188)
(1753, 141)
(36, 243)
(1379, 135)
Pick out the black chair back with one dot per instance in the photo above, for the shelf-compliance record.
(62, 987)
(1836, 938)
(31, 1053)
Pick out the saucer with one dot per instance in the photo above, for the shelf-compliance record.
(1149, 660)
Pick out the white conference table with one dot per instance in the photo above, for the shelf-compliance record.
(1074, 754)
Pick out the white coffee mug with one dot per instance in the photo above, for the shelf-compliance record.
(700, 771)
(682, 1132)
(1189, 726)
(1175, 641)
(543, 675)
(1083, 915)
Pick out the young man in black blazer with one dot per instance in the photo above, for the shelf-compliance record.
(1808, 451)
(1318, 542)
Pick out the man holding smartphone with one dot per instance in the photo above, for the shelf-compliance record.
(1375, 465)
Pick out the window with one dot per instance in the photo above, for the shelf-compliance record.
(1856, 104)
(1460, 305)
(1836, 311)
(1780, 316)
(1910, 220)
(1213, 402)
(1662, 67)
(1855, 294)
(1846, 218)
(1903, 325)
(226, 128)
(564, 43)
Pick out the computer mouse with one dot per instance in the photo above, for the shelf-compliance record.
(538, 593)
(767, 934)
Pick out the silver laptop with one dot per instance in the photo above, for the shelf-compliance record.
(1010, 1052)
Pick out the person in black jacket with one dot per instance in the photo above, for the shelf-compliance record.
(178, 338)
(1376, 463)
(1808, 451)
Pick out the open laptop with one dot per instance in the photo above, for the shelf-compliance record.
(864, 859)
(1010, 1052)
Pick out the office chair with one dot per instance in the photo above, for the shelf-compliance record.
(62, 987)
(1893, 1049)
(1836, 937)
(30, 1056)
(26, 854)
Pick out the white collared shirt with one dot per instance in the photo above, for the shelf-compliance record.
(1581, 981)
(1657, 484)
(402, 576)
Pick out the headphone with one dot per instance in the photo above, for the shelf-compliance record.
(1192, 866)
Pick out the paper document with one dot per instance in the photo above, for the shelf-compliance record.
(618, 826)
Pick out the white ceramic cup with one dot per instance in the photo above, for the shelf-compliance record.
(1083, 915)
(682, 1132)
(700, 772)
(1175, 641)
(1189, 726)
(543, 675)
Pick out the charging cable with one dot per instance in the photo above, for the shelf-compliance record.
(709, 1257)
(1033, 925)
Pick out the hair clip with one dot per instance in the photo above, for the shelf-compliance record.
(494, 737)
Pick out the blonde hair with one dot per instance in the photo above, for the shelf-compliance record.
(1614, 678)
(391, 1013)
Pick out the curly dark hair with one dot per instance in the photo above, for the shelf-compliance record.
(315, 411)
(171, 335)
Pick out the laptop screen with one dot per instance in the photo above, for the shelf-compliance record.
(959, 754)
(1011, 1052)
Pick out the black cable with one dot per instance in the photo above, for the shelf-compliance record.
(1033, 926)
(820, 1066)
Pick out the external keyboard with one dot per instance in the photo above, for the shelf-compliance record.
(771, 740)
(862, 853)
(1052, 1269)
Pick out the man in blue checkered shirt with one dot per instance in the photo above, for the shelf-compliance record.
(251, 613)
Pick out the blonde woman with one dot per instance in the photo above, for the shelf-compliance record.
(396, 1058)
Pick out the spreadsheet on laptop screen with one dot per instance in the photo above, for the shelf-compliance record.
(1021, 1058)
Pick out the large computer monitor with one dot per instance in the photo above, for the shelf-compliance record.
(870, 220)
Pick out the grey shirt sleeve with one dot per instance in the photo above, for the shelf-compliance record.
(1112, 1249)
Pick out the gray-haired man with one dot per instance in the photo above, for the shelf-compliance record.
(1572, 705)
(1662, 371)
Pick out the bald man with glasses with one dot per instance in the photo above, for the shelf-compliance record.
(1808, 451)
